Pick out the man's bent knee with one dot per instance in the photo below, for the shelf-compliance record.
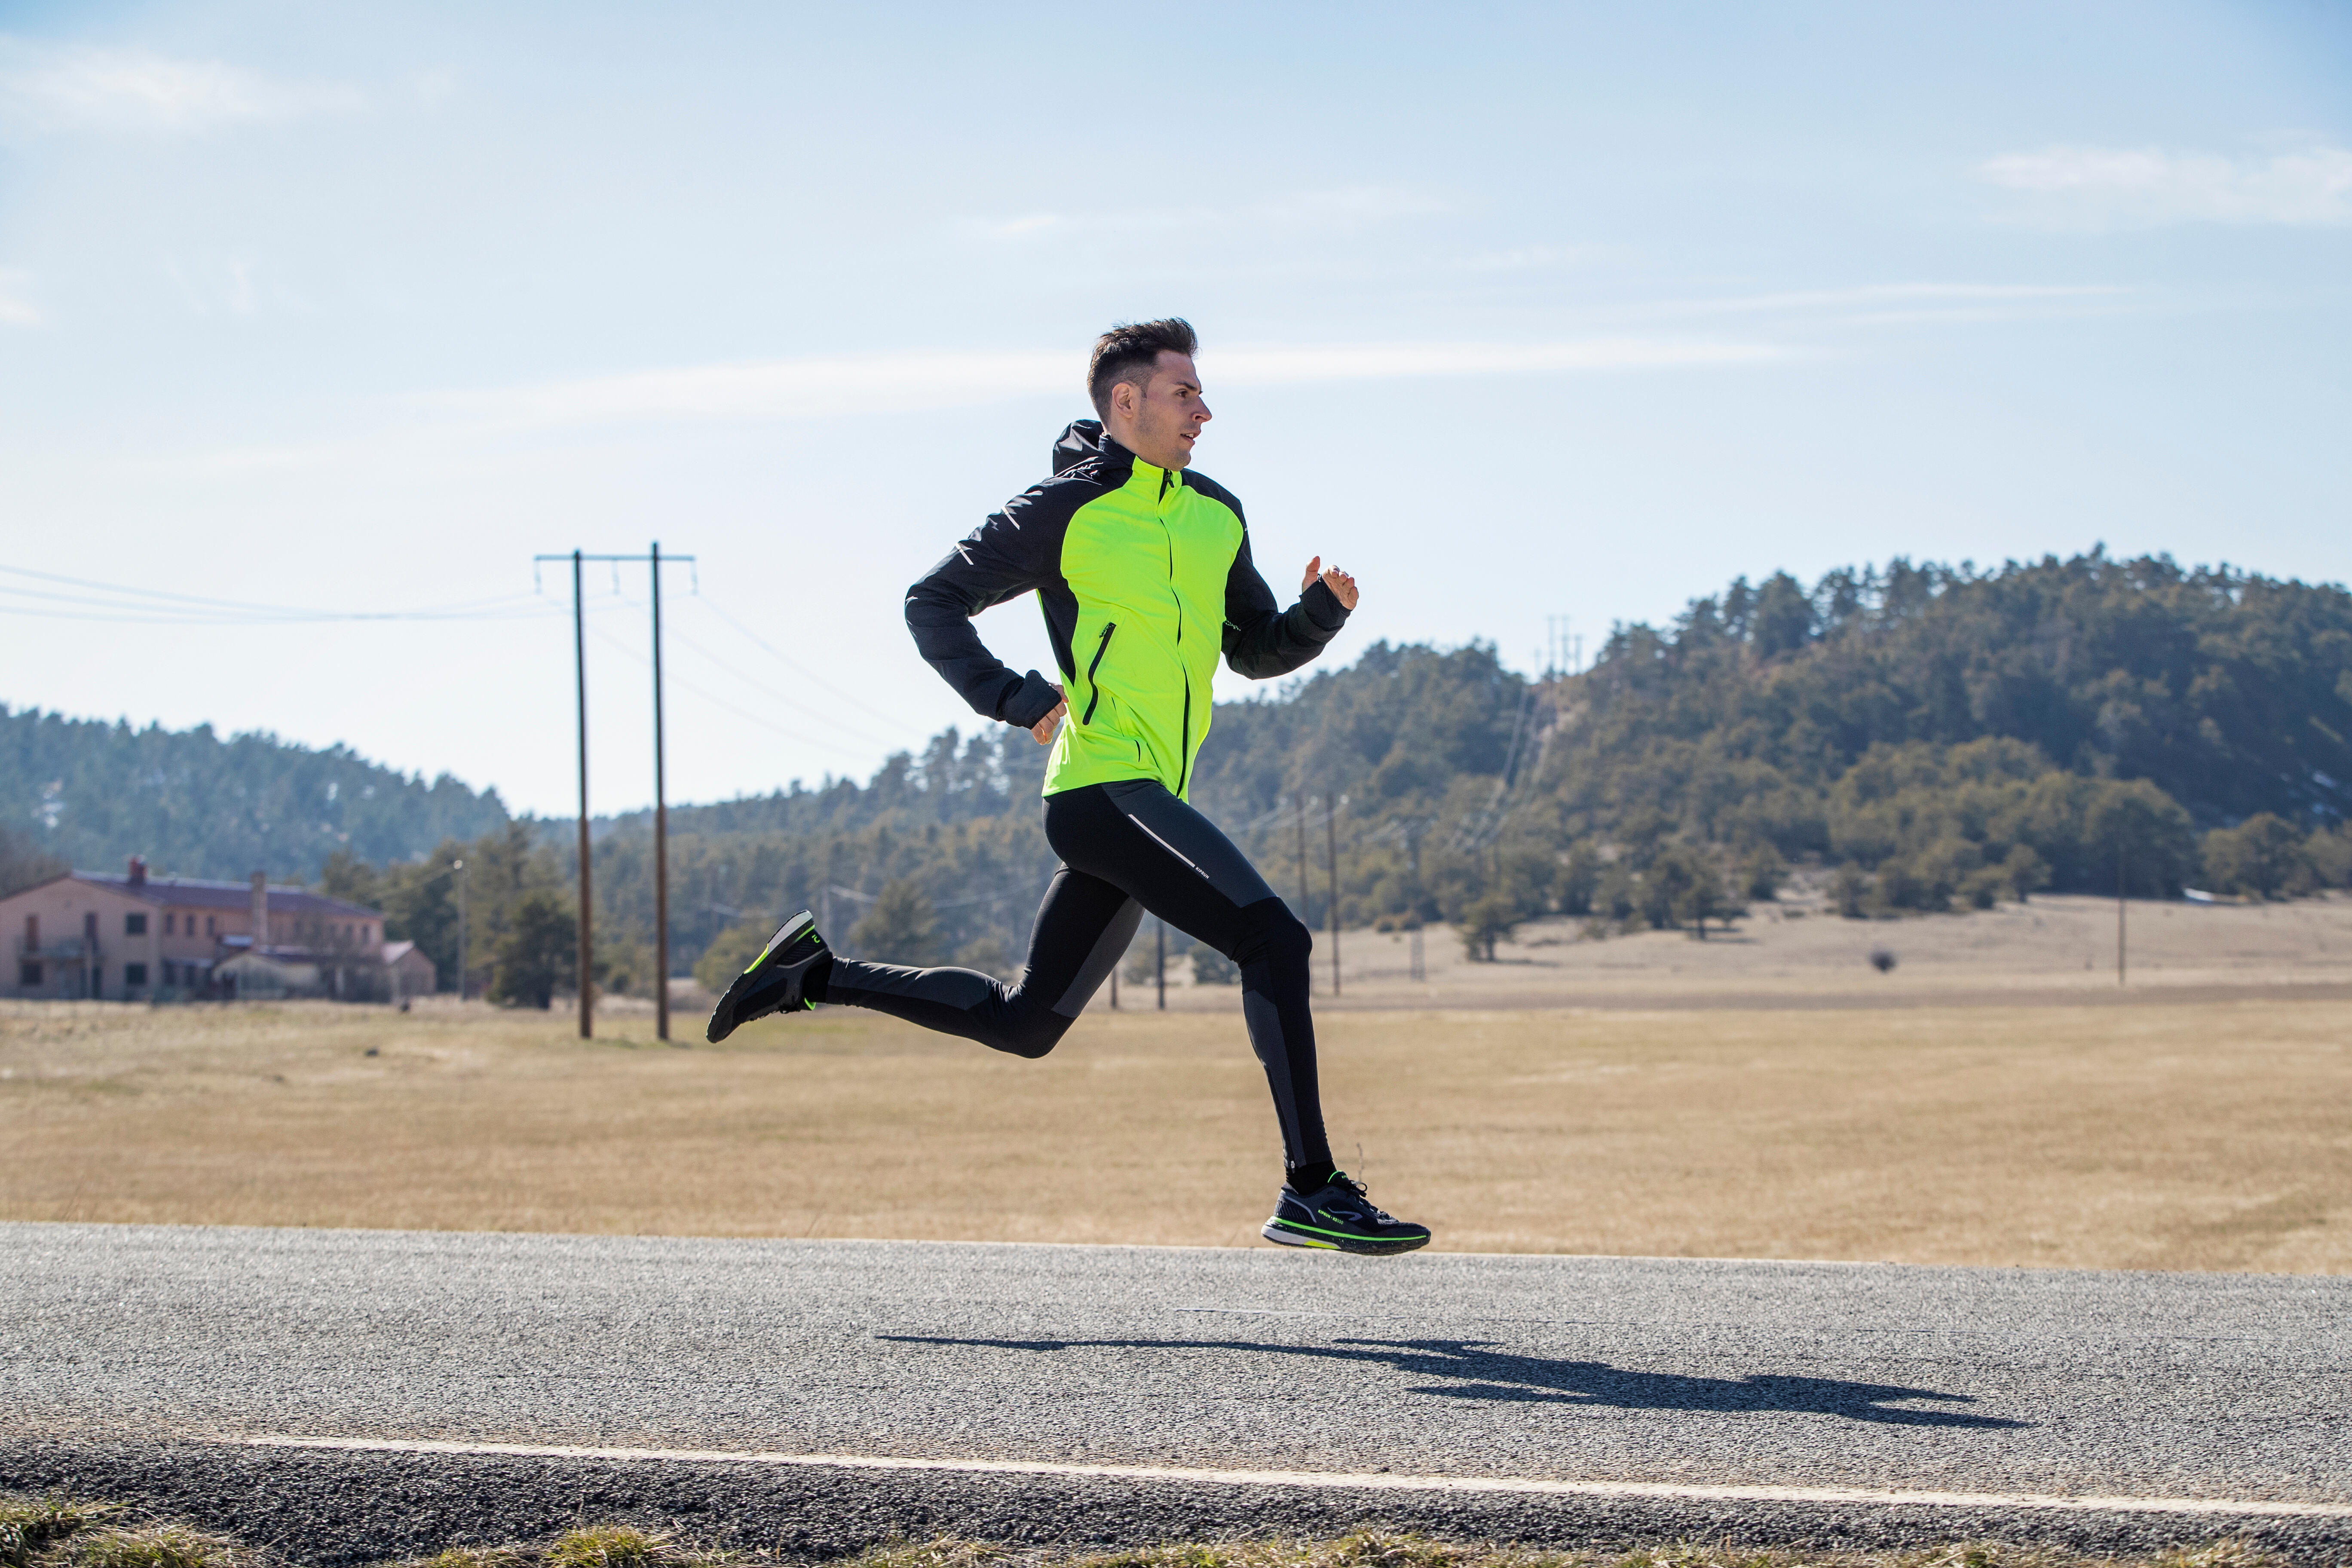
(1033, 1036)
(1272, 934)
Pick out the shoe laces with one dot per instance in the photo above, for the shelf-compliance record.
(1357, 1190)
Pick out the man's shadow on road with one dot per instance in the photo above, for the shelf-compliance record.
(1476, 1371)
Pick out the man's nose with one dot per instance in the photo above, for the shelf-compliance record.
(1202, 414)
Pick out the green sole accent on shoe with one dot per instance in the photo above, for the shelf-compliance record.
(1342, 1235)
(1283, 1236)
(1345, 1241)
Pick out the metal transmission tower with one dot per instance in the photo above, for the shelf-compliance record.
(1562, 653)
(653, 559)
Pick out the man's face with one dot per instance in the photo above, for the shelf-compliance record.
(1160, 425)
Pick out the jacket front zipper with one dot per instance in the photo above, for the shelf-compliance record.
(1101, 648)
(1184, 744)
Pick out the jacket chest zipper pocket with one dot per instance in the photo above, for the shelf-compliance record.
(1101, 648)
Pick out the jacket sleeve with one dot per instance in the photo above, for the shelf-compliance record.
(1262, 641)
(1016, 550)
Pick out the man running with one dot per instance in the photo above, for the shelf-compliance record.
(1143, 571)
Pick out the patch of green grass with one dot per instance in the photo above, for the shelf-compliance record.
(945, 1552)
(30, 1526)
(148, 1546)
(2215, 1554)
(612, 1546)
(477, 1557)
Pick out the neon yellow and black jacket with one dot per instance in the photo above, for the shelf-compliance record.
(1144, 575)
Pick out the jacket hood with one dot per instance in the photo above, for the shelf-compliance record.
(1080, 440)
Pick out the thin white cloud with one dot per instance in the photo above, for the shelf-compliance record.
(777, 389)
(1526, 257)
(878, 384)
(1378, 361)
(1025, 224)
(228, 284)
(15, 310)
(1912, 295)
(2105, 185)
(1345, 207)
(83, 87)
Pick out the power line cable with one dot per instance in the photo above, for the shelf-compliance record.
(711, 697)
(735, 674)
(790, 701)
(171, 608)
(789, 663)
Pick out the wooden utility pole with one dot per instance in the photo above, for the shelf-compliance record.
(1302, 857)
(2119, 916)
(1331, 851)
(661, 813)
(661, 829)
(460, 867)
(587, 942)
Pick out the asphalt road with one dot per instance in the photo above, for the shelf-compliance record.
(477, 1387)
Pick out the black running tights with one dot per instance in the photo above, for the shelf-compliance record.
(1126, 848)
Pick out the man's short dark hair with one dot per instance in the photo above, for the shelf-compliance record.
(1133, 346)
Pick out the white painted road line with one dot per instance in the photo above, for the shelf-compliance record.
(1341, 1481)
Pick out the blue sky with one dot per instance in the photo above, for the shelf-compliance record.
(1515, 311)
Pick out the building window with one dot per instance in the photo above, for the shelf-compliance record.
(169, 921)
(134, 925)
(210, 928)
(28, 974)
(32, 933)
(134, 975)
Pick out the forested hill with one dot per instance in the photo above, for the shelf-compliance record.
(2231, 692)
(1943, 735)
(87, 793)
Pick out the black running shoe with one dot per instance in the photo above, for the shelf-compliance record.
(1340, 1218)
(775, 981)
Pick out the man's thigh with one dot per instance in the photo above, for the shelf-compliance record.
(1083, 929)
(1166, 856)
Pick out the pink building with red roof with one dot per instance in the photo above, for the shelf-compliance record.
(131, 937)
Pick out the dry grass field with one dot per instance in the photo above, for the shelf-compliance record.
(2196, 1133)
(2058, 948)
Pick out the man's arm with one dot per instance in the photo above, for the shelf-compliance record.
(1016, 550)
(1262, 640)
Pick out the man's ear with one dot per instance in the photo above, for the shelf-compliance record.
(1123, 398)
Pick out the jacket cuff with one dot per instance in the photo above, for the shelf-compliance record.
(1323, 606)
(1025, 704)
